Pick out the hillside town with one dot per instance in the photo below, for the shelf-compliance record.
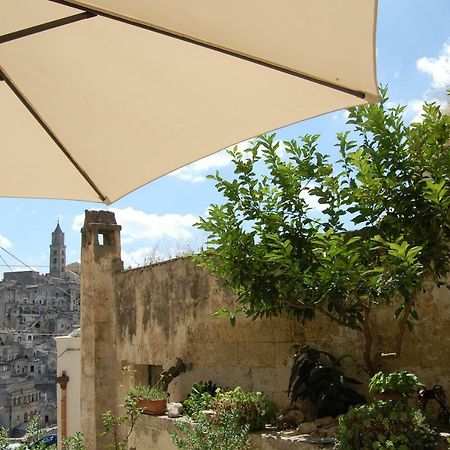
(35, 308)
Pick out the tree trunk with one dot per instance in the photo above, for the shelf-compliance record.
(368, 342)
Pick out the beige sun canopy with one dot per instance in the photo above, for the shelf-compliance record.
(97, 98)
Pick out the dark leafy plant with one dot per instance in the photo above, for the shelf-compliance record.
(402, 382)
(225, 432)
(252, 408)
(209, 386)
(317, 376)
(385, 425)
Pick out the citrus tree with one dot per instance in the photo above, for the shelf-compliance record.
(378, 232)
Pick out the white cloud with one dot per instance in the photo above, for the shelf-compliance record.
(438, 68)
(5, 242)
(154, 254)
(414, 109)
(312, 200)
(197, 171)
(141, 257)
(139, 225)
(340, 115)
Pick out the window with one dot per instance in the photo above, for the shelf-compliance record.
(46, 419)
(31, 368)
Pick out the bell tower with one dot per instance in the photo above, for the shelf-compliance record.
(57, 253)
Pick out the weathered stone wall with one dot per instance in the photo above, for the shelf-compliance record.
(156, 314)
(165, 312)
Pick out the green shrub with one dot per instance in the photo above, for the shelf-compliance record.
(402, 382)
(253, 408)
(200, 398)
(148, 392)
(197, 403)
(385, 425)
(225, 432)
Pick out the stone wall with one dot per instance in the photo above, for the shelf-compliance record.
(153, 315)
(165, 312)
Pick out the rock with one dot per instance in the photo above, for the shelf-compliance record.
(307, 428)
(290, 433)
(323, 421)
(174, 409)
(331, 431)
(294, 417)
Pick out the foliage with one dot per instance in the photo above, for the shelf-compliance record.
(379, 230)
(146, 392)
(402, 382)
(209, 386)
(75, 442)
(225, 432)
(200, 398)
(385, 425)
(114, 425)
(31, 439)
(317, 375)
(252, 408)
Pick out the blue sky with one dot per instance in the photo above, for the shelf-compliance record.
(413, 58)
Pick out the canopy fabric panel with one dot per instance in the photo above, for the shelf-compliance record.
(332, 40)
(122, 105)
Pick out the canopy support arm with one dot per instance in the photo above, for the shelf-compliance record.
(209, 46)
(44, 27)
(4, 77)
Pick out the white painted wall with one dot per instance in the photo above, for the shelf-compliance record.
(69, 360)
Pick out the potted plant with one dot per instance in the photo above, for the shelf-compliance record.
(150, 399)
(393, 386)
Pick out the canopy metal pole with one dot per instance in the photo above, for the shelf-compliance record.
(4, 77)
(44, 27)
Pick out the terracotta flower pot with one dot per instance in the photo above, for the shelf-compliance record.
(152, 407)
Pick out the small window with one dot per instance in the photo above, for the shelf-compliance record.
(46, 419)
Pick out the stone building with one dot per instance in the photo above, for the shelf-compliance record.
(33, 309)
(57, 253)
(148, 317)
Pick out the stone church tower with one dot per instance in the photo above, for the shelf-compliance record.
(57, 253)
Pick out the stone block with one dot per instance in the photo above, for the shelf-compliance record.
(283, 354)
(307, 428)
(256, 354)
